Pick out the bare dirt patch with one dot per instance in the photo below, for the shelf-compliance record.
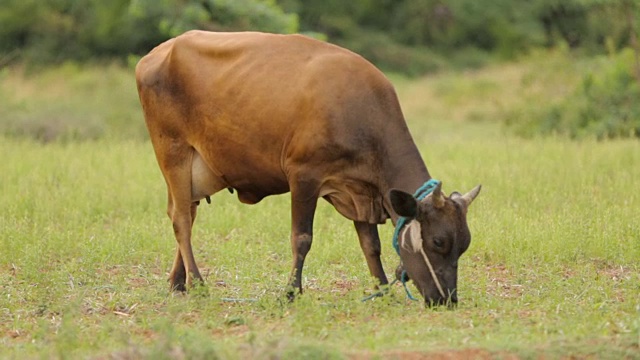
(466, 354)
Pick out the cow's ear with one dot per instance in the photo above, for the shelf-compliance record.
(404, 204)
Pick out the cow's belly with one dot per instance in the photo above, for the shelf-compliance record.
(252, 178)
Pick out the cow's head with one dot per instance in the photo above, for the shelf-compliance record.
(434, 237)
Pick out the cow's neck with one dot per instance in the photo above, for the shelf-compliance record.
(408, 172)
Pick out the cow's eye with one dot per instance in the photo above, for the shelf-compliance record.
(439, 242)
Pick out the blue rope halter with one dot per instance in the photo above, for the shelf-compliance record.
(422, 192)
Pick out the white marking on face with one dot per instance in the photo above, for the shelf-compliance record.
(415, 244)
(415, 236)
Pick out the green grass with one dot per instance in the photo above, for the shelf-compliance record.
(552, 271)
(86, 248)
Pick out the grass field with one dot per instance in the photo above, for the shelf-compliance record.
(552, 272)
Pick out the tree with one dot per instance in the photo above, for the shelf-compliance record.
(56, 30)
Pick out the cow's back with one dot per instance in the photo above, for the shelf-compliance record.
(258, 107)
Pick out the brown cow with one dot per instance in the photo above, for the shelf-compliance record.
(265, 114)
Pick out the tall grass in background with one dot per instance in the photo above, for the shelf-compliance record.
(551, 93)
(70, 102)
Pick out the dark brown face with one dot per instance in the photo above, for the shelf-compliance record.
(434, 237)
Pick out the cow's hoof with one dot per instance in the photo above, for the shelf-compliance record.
(292, 293)
(179, 287)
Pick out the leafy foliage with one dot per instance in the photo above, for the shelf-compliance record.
(413, 34)
(53, 31)
(603, 105)
(504, 28)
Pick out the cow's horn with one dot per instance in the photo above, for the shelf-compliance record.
(468, 197)
(437, 196)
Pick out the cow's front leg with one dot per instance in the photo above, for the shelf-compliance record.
(303, 206)
(370, 244)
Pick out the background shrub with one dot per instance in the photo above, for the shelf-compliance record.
(604, 104)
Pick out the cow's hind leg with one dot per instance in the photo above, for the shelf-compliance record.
(370, 244)
(304, 199)
(202, 183)
(178, 275)
(176, 167)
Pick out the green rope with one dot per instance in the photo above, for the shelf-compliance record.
(380, 293)
(404, 279)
